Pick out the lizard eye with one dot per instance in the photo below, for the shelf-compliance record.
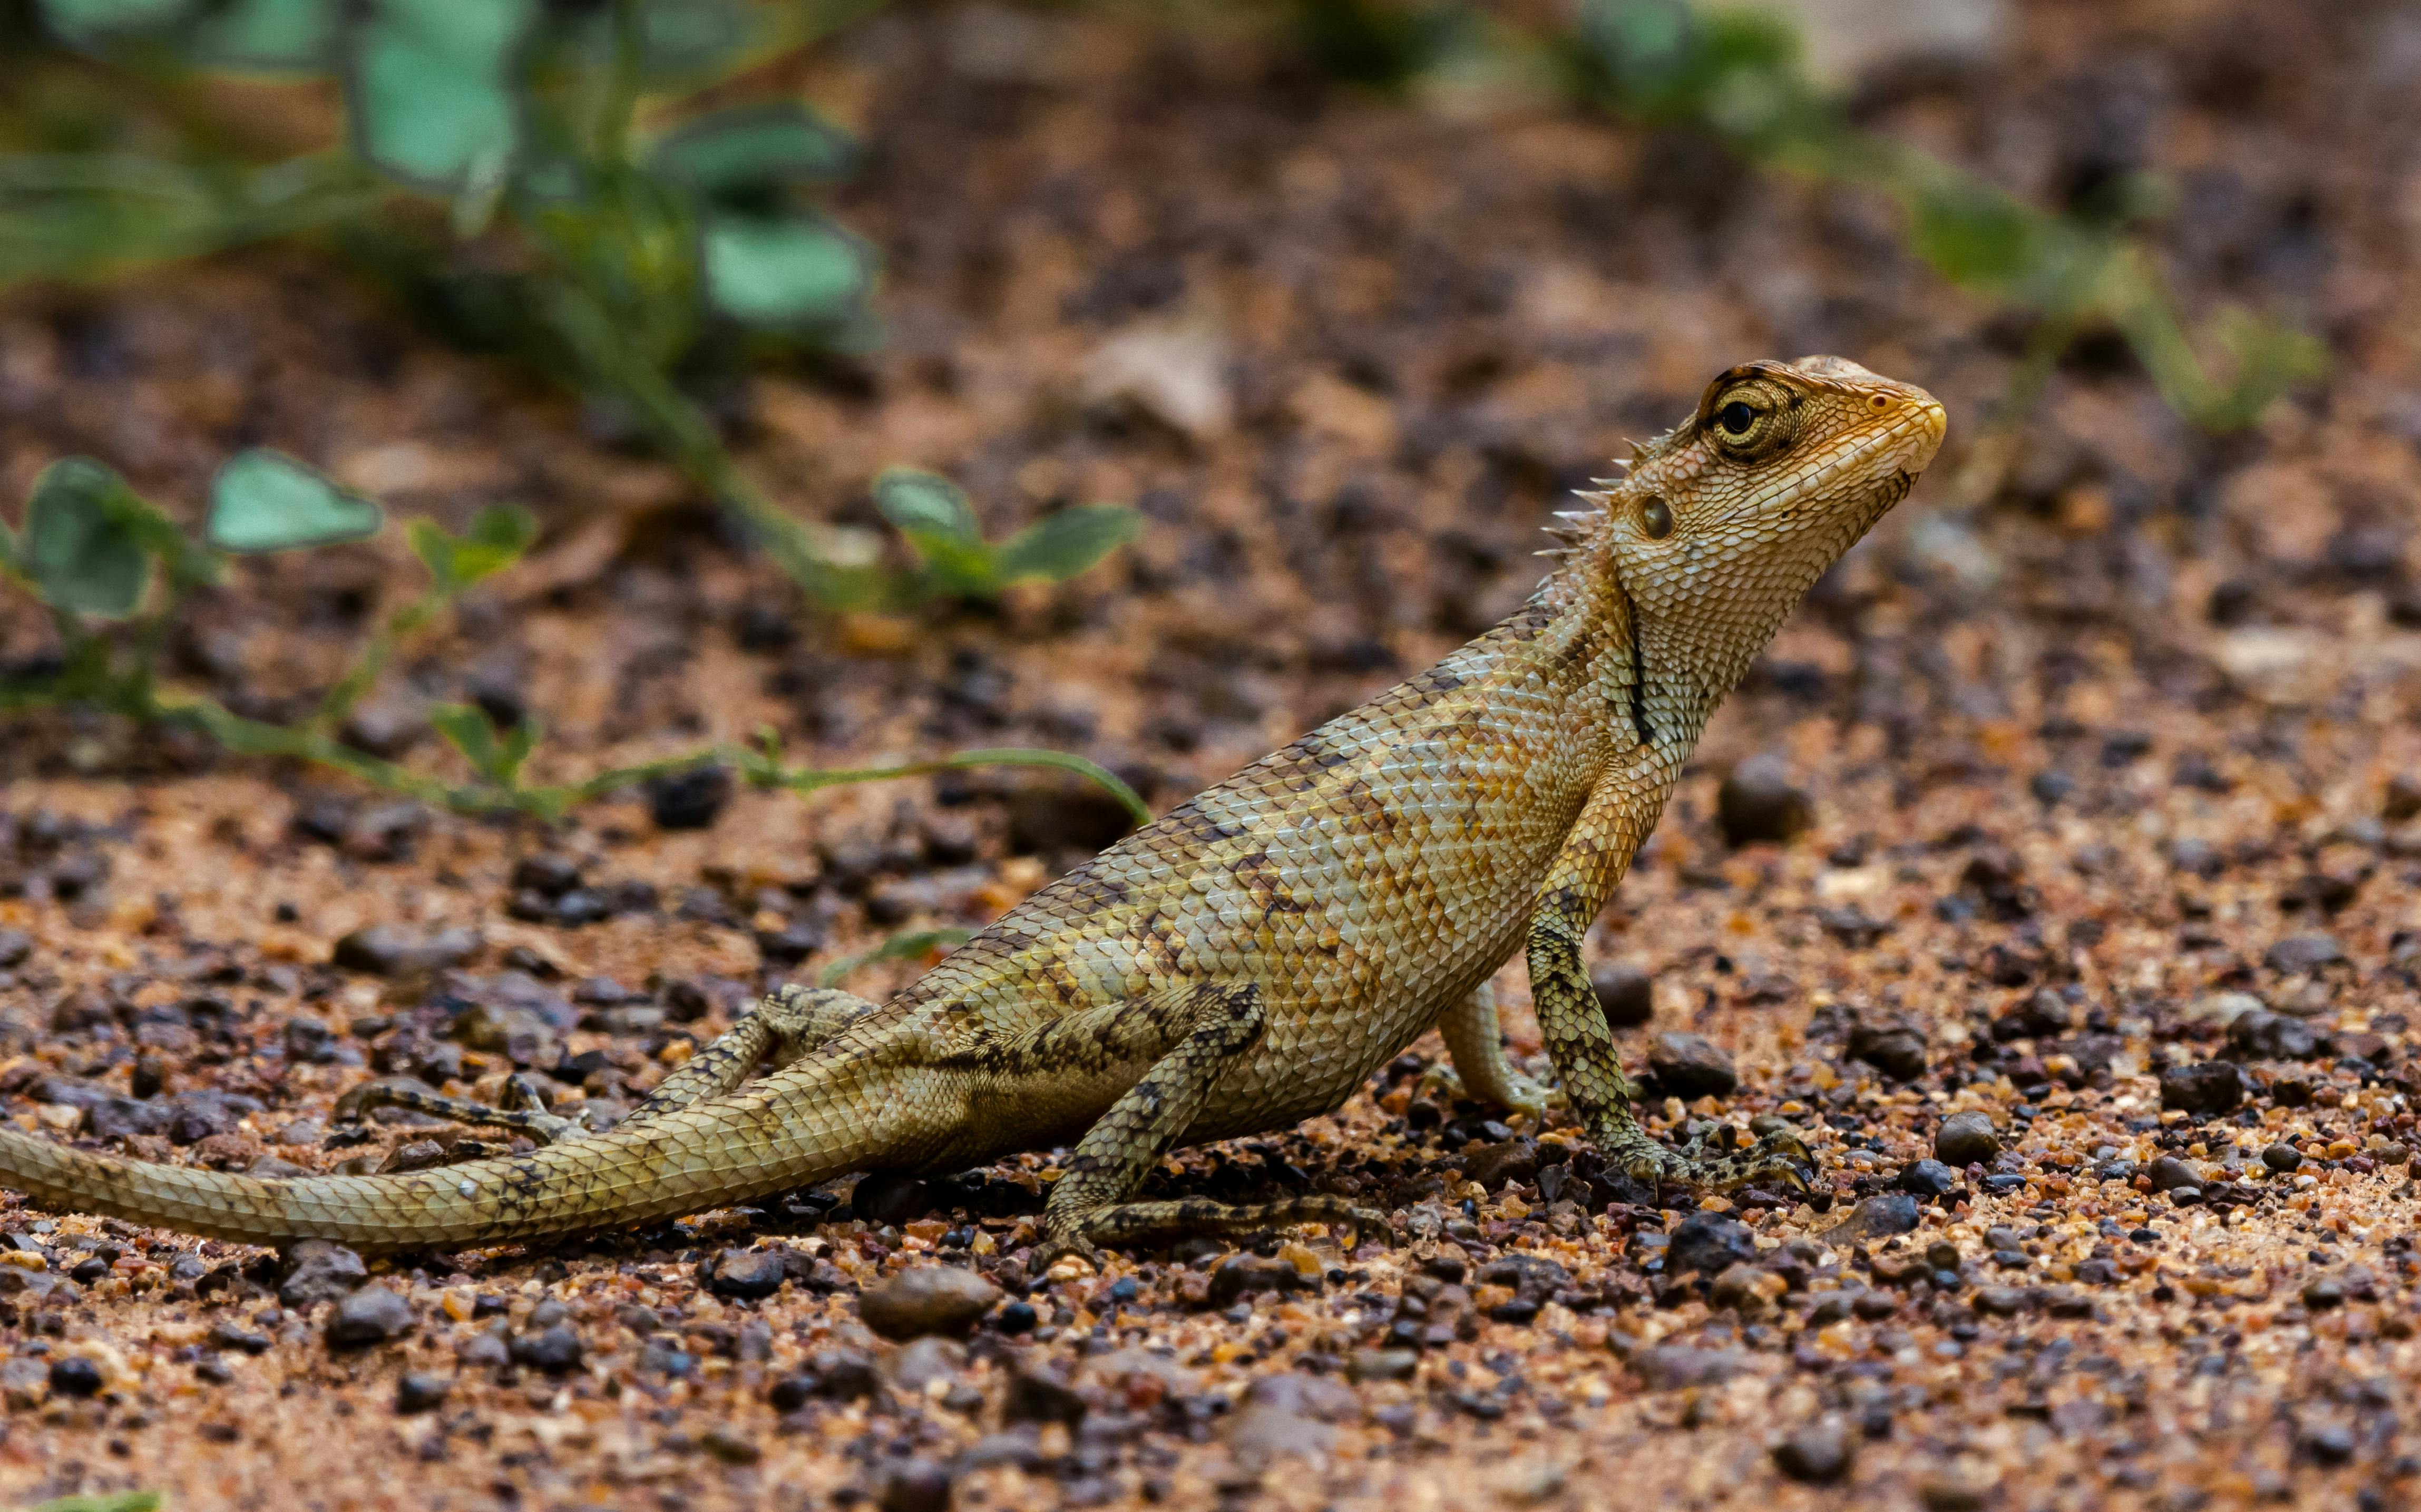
(1656, 518)
(1751, 421)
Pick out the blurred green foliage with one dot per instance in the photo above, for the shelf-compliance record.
(112, 567)
(622, 260)
(1733, 72)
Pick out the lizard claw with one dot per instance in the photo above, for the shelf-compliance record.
(1058, 1247)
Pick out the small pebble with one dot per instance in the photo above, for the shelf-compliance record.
(421, 1390)
(373, 1315)
(1757, 801)
(1690, 1066)
(1818, 1453)
(1625, 994)
(926, 1299)
(1966, 1139)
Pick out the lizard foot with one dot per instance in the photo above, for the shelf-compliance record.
(1132, 1222)
(1780, 1157)
(1522, 1094)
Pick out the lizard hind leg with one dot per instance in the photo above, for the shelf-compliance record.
(782, 1027)
(523, 1109)
(1086, 1210)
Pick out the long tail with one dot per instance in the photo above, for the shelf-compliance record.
(788, 1130)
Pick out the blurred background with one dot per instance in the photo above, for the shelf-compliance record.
(616, 411)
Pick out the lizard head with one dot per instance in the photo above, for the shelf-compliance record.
(1726, 520)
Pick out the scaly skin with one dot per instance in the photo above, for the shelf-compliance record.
(1252, 958)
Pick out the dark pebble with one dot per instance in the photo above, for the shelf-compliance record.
(2205, 1086)
(554, 1350)
(790, 944)
(2169, 1172)
(390, 950)
(373, 1315)
(926, 1299)
(2304, 952)
(1892, 1049)
(1625, 994)
(1039, 1394)
(421, 1390)
(1928, 1178)
(1758, 802)
(2282, 1157)
(2003, 1302)
(692, 800)
(546, 875)
(15, 945)
(890, 1197)
(1879, 1216)
(1966, 1139)
(1054, 818)
(1818, 1453)
(916, 1486)
(76, 1376)
(1709, 1242)
(1689, 1066)
(316, 1270)
(748, 1275)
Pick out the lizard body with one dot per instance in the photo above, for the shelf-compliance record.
(1251, 958)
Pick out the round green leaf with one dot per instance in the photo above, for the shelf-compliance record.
(264, 501)
(279, 35)
(1061, 545)
(926, 504)
(84, 542)
(784, 274)
(735, 151)
(429, 84)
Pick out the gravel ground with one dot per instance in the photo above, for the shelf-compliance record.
(2055, 874)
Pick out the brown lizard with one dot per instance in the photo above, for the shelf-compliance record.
(1253, 957)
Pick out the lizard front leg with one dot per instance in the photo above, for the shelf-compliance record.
(1594, 858)
(1213, 1024)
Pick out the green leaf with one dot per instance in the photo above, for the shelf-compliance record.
(281, 36)
(266, 501)
(926, 504)
(7, 547)
(1061, 545)
(687, 38)
(86, 23)
(469, 731)
(933, 513)
(496, 539)
(517, 743)
(429, 88)
(85, 545)
(784, 274)
(755, 148)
